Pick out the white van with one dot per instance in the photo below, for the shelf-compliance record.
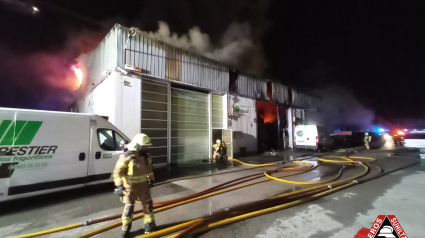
(312, 137)
(415, 139)
(43, 151)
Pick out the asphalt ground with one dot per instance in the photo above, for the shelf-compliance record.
(332, 215)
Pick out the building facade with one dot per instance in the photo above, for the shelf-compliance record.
(182, 100)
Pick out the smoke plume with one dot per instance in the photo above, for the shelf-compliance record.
(37, 51)
(236, 48)
(339, 107)
(43, 79)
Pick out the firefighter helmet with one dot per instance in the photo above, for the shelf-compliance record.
(138, 141)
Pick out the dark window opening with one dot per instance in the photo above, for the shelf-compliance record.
(270, 90)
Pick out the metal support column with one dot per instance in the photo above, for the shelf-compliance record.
(169, 124)
(210, 125)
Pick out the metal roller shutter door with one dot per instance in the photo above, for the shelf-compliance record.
(217, 111)
(189, 126)
(228, 139)
(154, 119)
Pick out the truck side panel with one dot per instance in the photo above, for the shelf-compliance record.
(48, 151)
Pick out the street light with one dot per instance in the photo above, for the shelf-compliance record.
(35, 10)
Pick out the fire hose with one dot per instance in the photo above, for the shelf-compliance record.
(208, 225)
(192, 198)
(190, 227)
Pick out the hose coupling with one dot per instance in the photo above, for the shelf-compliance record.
(330, 186)
(86, 223)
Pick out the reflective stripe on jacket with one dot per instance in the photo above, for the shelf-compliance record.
(132, 168)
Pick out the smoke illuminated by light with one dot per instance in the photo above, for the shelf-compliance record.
(78, 74)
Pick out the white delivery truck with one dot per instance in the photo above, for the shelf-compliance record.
(312, 137)
(43, 151)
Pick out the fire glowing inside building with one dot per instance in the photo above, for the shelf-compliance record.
(267, 111)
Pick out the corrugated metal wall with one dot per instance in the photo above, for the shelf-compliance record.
(164, 61)
(255, 87)
(104, 57)
(302, 100)
(280, 93)
(205, 73)
(251, 86)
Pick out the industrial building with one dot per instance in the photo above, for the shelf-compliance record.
(185, 101)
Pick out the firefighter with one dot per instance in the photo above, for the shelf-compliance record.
(133, 178)
(217, 149)
(367, 139)
(220, 150)
(223, 151)
(397, 137)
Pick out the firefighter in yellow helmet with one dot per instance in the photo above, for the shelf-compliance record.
(220, 150)
(367, 139)
(133, 178)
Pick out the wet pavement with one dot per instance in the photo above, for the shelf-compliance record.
(75, 206)
(344, 213)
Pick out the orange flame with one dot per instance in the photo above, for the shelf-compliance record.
(78, 74)
(268, 111)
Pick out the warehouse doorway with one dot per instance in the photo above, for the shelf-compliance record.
(268, 126)
(225, 135)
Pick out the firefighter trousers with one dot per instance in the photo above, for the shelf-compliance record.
(366, 143)
(142, 194)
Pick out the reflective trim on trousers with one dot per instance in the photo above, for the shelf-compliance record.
(127, 216)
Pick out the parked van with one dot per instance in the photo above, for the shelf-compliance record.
(415, 139)
(312, 137)
(43, 151)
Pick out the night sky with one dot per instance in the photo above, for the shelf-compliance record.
(373, 48)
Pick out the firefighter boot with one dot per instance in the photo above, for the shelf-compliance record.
(149, 221)
(127, 220)
(126, 233)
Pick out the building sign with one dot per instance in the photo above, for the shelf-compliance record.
(239, 110)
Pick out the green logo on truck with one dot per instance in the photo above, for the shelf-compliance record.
(15, 143)
(18, 132)
(300, 133)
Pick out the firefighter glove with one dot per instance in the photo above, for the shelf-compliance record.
(150, 181)
(119, 191)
